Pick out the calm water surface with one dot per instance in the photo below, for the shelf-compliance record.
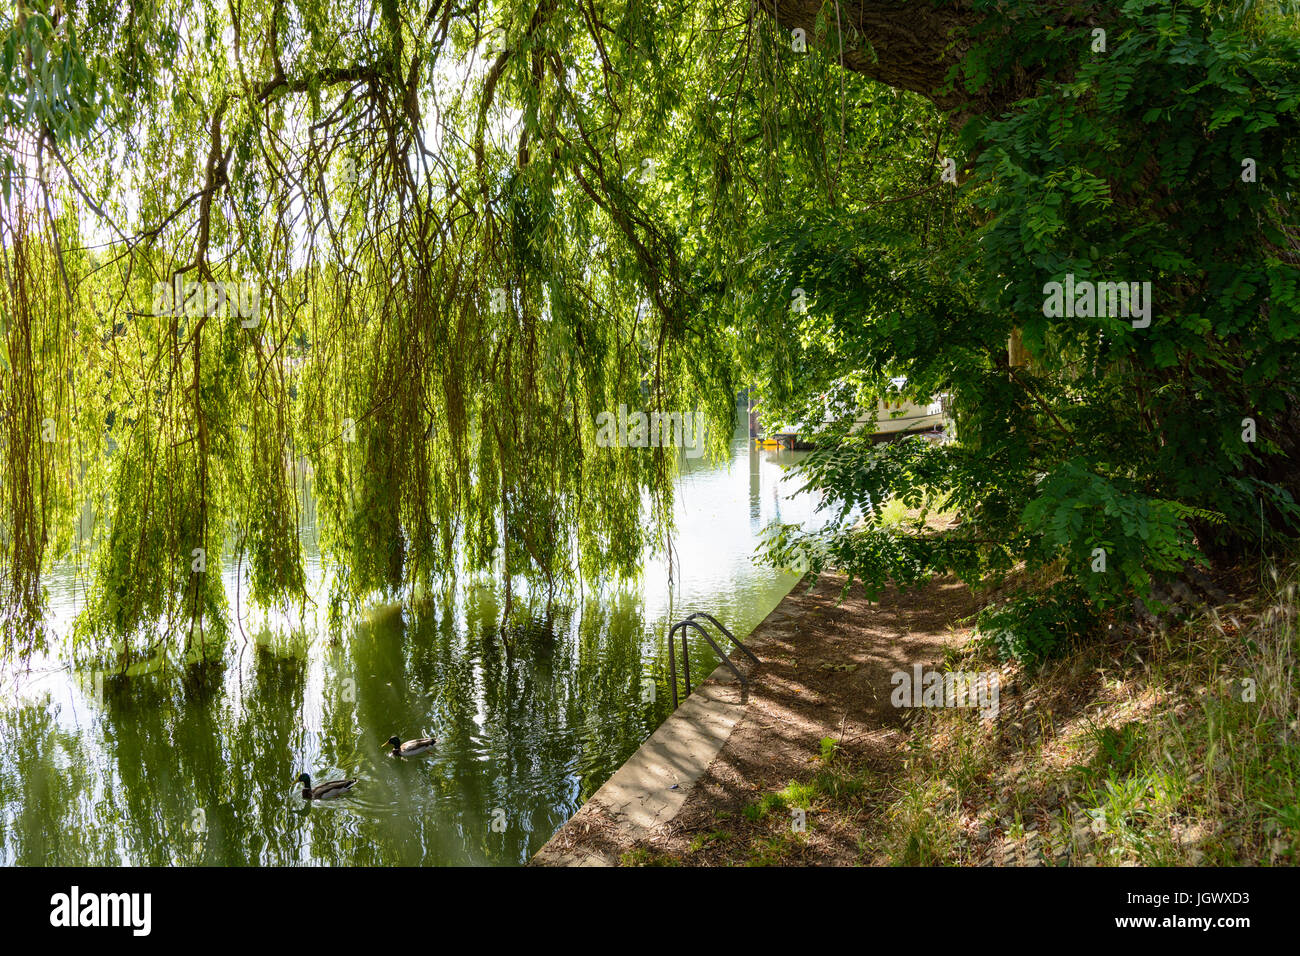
(195, 763)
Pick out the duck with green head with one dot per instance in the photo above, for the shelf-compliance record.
(326, 791)
(410, 748)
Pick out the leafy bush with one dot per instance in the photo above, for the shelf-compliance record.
(1115, 448)
(1033, 628)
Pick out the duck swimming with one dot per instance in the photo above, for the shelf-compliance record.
(326, 791)
(411, 747)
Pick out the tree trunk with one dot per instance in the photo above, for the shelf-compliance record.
(912, 44)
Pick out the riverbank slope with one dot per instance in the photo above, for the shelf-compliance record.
(1155, 746)
(826, 672)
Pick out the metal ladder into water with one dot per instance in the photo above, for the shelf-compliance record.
(693, 621)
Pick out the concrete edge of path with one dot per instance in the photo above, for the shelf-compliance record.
(650, 788)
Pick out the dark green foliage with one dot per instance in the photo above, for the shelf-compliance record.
(1034, 628)
(1114, 452)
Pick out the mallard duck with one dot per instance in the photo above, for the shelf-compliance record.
(326, 791)
(410, 748)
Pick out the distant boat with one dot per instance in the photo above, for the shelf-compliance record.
(892, 419)
(902, 416)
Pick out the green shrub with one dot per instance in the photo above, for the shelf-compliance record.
(1033, 628)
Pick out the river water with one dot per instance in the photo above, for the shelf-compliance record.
(195, 763)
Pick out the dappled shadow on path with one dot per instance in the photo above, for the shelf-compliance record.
(827, 663)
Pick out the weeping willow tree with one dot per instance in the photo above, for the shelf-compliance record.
(410, 252)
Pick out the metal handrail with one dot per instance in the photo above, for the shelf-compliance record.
(723, 628)
(686, 657)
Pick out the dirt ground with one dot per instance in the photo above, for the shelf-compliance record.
(826, 667)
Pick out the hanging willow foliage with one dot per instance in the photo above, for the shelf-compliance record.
(405, 255)
(34, 350)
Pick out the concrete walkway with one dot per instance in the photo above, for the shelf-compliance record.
(649, 790)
